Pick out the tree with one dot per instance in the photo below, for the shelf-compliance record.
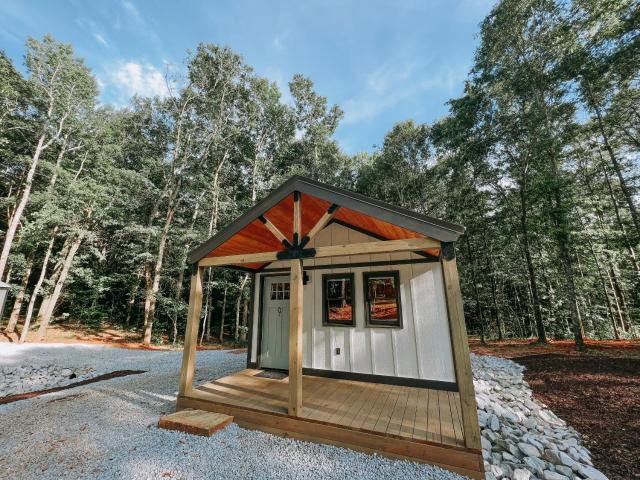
(62, 88)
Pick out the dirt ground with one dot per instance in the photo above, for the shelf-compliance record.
(597, 392)
(107, 335)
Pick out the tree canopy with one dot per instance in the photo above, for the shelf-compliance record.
(538, 158)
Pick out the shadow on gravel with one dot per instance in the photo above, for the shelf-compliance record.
(99, 378)
(599, 397)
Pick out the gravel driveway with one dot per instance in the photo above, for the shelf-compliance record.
(108, 429)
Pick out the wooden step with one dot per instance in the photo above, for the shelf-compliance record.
(197, 422)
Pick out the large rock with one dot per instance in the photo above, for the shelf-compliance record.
(587, 471)
(566, 471)
(535, 464)
(568, 461)
(549, 475)
(552, 456)
(521, 474)
(486, 444)
(529, 450)
(494, 423)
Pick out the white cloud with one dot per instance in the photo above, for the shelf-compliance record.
(395, 82)
(132, 11)
(133, 78)
(277, 75)
(277, 43)
(101, 40)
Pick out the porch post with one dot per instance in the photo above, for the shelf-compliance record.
(460, 348)
(295, 339)
(191, 333)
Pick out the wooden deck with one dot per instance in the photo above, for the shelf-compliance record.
(399, 421)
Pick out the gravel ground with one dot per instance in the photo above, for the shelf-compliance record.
(108, 429)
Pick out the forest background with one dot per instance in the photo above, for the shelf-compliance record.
(538, 159)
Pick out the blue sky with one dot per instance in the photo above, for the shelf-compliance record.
(382, 62)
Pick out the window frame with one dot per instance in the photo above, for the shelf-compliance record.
(325, 311)
(367, 304)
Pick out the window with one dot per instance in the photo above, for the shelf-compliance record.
(337, 295)
(382, 299)
(279, 291)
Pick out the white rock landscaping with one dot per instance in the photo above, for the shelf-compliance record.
(521, 438)
(108, 429)
(15, 380)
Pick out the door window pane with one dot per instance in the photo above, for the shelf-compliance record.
(383, 299)
(338, 299)
(279, 291)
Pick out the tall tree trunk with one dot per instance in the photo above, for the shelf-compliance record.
(143, 269)
(537, 310)
(17, 304)
(224, 311)
(57, 290)
(623, 230)
(496, 312)
(56, 169)
(605, 292)
(178, 298)
(562, 238)
(620, 300)
(22, 203)
(131, 301)
(178, 284)
(614, 161)
(616, 325)
(207, 319)
(37, 287)
(476, 294)
(150, 298)
(238, 302)
(245, 319)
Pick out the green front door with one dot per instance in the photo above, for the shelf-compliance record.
(274, 348)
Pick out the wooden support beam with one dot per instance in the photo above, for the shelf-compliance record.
(295, 339)
(276, 232)
(321, 223)
(297, 218)
(262, 257)
(460, 348)
(191, 333)
(383, 246)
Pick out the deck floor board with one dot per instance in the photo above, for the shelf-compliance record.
(406, 412)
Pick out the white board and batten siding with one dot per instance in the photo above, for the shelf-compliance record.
(420, 349)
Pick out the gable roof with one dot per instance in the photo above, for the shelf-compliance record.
(247, 234)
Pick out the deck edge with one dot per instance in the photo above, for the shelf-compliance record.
(457, 459)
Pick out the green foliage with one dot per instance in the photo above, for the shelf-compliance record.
(538, 159)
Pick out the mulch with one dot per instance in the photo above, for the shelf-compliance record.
(99, 378)
(600, 397)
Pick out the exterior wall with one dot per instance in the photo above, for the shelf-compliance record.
(421, 349)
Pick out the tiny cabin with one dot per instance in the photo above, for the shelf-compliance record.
(357, 334)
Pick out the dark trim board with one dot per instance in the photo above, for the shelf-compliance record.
(372, 378)
(384, 379)
(389, 263)
(417, 222)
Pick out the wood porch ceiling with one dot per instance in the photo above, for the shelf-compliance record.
(255, 237)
